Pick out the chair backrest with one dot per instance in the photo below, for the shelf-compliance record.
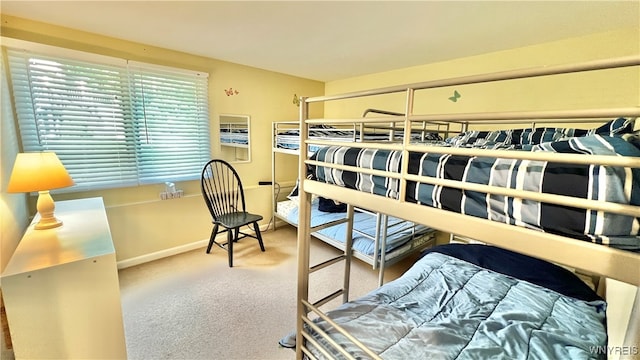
(221, 188)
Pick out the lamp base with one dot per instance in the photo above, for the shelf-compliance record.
(46, 206)
(47, 224)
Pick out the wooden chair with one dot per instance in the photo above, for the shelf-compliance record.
(223, 193)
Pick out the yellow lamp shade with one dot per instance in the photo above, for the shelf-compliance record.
(37, 172)
(40, 172)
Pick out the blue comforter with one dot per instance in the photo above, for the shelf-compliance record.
(447, 308)
(398, 233)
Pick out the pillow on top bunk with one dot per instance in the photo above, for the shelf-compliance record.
(614, 127)
(530, 136)
(504, 138)
(520, 266)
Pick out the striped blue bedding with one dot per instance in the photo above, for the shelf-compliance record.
(610, 183)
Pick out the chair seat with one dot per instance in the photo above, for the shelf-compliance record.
(236, 219)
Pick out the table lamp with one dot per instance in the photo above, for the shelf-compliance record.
(41, 172)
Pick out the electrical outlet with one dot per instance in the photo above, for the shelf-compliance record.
(174, 195)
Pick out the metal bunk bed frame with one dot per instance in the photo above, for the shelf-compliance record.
(384, 226)
(597, 259)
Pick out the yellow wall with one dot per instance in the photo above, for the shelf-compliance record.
(141, 224)
(613, 88)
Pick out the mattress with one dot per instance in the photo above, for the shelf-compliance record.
(451, 304)
(613, 184)
(399, 232)
(290, 139)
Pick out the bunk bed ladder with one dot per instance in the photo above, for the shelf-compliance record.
(344, 256)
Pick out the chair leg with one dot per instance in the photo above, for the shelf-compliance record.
(256, 228)
(230, 240)
(214, 232)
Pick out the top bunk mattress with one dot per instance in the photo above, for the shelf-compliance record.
(595, 182)
(290, 139)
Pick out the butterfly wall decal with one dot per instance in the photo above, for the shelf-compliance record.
(456, 96)
(296, 100)
(231, 91)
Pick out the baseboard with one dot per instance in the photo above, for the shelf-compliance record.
(280, 223)
(123, 264)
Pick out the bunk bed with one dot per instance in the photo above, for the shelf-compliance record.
(468, 301)
(377, 239)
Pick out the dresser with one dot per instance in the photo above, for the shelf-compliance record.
(61, 290)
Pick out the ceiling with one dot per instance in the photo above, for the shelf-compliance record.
(331, 40)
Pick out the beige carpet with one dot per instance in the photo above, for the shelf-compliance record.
(193, 306)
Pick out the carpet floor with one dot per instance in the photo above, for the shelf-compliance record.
(193, 306)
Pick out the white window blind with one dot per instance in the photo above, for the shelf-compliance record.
(112, 125)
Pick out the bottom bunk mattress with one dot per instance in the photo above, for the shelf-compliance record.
(399, 232)
(473, 302)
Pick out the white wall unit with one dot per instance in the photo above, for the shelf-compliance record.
(61, 288)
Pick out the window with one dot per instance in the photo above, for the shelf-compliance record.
(112, 125)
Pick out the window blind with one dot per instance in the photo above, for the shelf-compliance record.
(111, 125)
